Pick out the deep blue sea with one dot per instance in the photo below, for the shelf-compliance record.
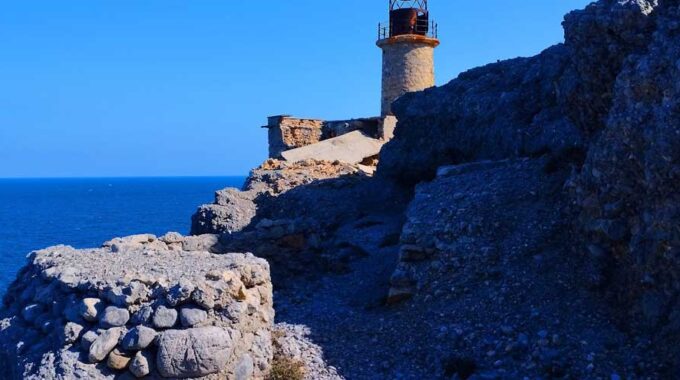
(38, 213)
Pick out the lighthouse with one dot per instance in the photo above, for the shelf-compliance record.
(407, 42)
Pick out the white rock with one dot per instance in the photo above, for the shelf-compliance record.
(138, 338)
(351, 148)
(89, 309)
(178, 350)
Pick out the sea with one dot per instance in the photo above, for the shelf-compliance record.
(83, 213)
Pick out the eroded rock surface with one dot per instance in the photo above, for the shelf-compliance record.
(234, 210)
(195, 352)
(629, 188)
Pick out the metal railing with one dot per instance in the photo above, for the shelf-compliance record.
(423, 28)
(399, 4)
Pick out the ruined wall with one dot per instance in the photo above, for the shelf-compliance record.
(288, 133)
(139, 307)
(408, 66)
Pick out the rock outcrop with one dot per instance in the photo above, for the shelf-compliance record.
(234, 209)
(139, 307)
(629, 188)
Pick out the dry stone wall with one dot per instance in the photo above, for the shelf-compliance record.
(139, 307)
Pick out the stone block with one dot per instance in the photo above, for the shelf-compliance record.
(351, 148)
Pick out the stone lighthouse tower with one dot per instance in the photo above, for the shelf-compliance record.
(408, 43)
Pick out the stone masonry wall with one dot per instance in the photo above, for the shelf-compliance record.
(408, 66)
(139, 307)
(287, 133)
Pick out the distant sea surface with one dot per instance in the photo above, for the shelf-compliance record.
(38, 213)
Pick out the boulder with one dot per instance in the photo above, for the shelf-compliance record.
(195, 352)
(164, 318)
(190, 317)
(118, 360)
(142, 364)
(104, 344)
(138, 338)
(143, 315)
(114, 317)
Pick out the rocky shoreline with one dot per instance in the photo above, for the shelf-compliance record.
(523, 223)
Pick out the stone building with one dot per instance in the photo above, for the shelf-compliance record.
(408, 42)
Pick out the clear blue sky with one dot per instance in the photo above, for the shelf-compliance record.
(180, 87)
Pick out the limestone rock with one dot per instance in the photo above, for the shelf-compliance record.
(627, 189)
(191, 317)
(142, 364)
(104, 344)
(114, 317)
(138, 338)
(133, 240)
(234, 210)
(180, 292)
(194, 352)
(118, 360)
(245, 368)
(293, 345)
(164, 318)
(90, 309)
(203, 243)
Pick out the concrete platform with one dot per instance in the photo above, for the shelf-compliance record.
(350, 148)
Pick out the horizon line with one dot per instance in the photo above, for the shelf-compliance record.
(125, 177)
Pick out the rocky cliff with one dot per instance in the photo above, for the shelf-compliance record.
(628, 190)
(523, 223)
